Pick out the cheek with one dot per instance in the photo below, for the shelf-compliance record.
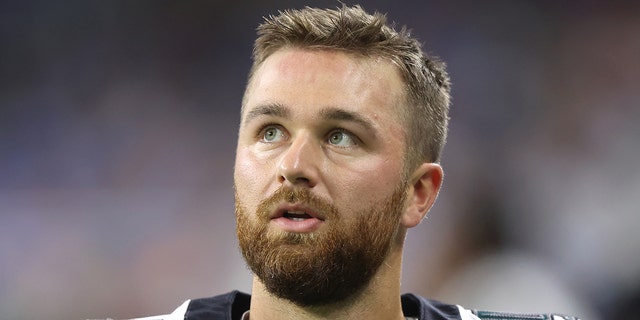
(248, 166)
(249, 177)
(366, 185)
(241, 168)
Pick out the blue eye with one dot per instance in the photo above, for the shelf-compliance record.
(341, 139)
(272, 134)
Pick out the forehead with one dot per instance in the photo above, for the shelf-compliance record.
(310, 78)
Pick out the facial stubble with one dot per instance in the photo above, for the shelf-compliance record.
(326, 266)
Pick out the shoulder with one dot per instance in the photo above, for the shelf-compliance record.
(422, 308)
(232, 304)
(225, 306)
(493, 315)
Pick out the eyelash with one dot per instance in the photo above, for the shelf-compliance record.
(346, 132)
(263, 128)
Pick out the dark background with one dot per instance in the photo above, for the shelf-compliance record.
(118, 123)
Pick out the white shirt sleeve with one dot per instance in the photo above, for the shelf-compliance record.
(177, 314)
(466, 314)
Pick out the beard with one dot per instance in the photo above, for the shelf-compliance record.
(323, 267)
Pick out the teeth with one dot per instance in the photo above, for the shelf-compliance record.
(296, 215)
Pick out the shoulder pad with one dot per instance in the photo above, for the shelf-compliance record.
(491, 315)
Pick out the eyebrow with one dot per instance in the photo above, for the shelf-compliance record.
(344, 115)
(329, 114)
(272, 109)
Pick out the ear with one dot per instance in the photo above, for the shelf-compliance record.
(423, 190)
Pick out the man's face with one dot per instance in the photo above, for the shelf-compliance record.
(319, 172)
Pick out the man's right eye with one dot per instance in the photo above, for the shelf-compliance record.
(272, 134)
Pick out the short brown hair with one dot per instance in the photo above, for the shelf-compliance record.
(353, 30)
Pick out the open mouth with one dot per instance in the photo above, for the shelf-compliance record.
(296, 215)
(297, 218)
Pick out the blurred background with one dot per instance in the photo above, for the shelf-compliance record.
(118, 122)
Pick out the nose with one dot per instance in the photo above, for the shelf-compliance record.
(299, 163)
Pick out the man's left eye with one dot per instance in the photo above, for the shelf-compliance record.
(341, 139)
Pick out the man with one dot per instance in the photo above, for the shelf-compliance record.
(342, 125)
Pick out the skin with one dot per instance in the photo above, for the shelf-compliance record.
(329, 121)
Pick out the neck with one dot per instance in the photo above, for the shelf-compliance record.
(380, 299)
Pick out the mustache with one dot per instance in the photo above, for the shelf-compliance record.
(296, 195)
